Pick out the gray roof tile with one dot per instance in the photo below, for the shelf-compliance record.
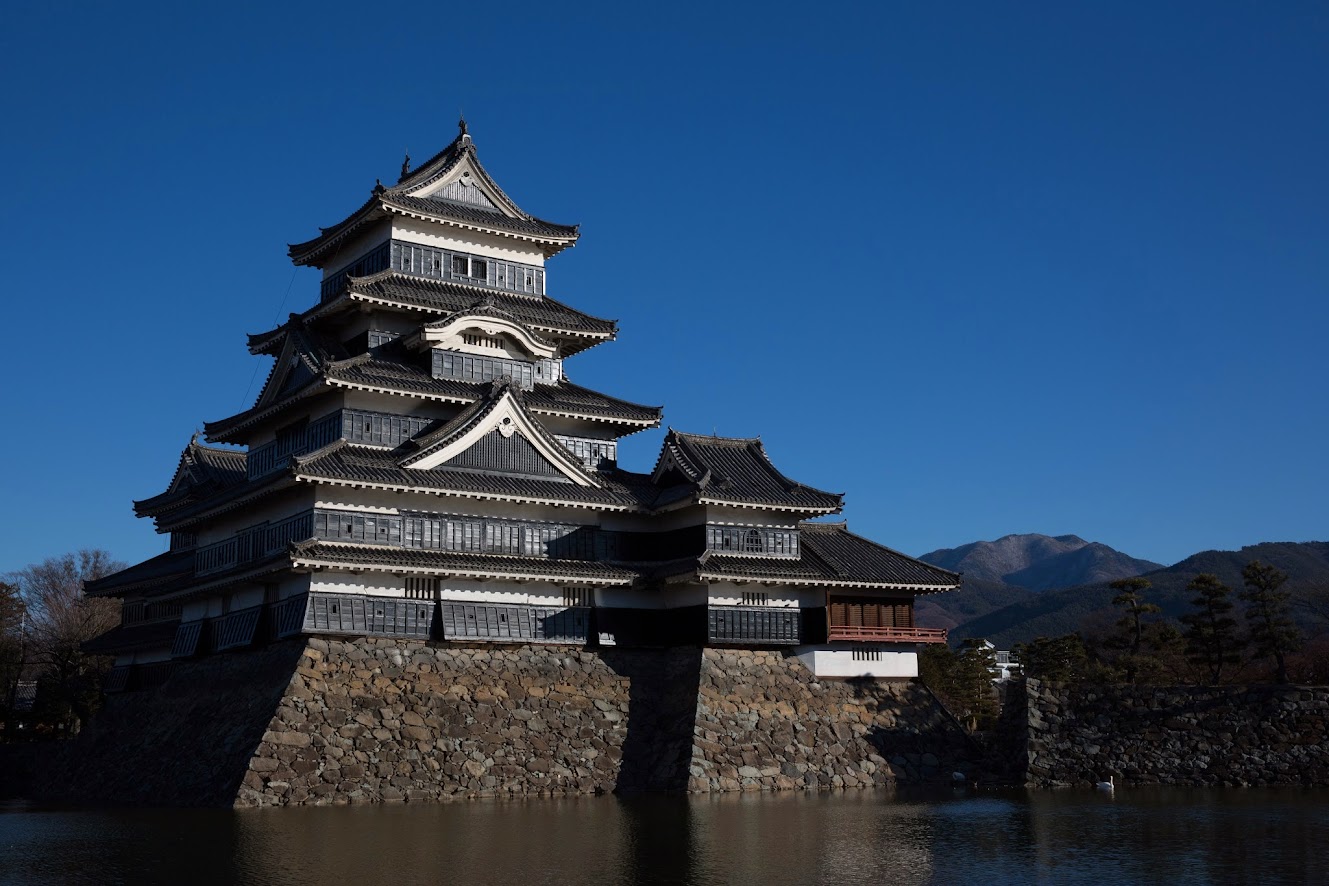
(737, 470)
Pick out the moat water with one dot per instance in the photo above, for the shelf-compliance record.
(1168, 836)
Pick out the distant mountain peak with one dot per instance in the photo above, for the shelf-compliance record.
(1040, 562)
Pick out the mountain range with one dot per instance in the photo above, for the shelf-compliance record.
(1020, 587)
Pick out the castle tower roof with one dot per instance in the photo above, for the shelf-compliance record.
(451, 188)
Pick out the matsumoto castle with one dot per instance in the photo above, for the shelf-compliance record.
(420, 465)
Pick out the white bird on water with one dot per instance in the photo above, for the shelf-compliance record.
(1106, 785)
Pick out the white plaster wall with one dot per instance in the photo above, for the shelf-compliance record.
(355, 247)
(194, 610)
(243, 598)
(315, 408)
(292, 586)
(450, 589)
(726, 516)
(446, 237)
(373, 584)
(287, 504)
(731, 594)
(148, 656)
(535, 593)
(582, 427)
(898, 660)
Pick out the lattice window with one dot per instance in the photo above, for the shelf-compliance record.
(577, 596)
(591, 452)
(159, 611)
(421, 588)
(868, 653)
(382, 429)
(769, 542)
(476, 368)
(756, 598)
(482, 341)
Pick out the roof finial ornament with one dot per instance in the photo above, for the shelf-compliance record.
(461, 124)
(406, 164)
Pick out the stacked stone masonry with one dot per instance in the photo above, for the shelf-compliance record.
(381, 720)
(321, 721)
(1201, 736)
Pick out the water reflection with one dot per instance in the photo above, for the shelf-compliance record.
(1141, 836)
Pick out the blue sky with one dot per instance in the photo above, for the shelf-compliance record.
(987, 268)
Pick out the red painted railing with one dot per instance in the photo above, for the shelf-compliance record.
(888, 635)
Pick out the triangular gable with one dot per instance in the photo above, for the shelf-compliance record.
(674, 461)
(501, 437)
(296, 364)
(184, 472)
(466, 182)
(509, 453)
(464, 190)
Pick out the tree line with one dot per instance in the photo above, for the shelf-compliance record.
(44, 620)
(1208, 645)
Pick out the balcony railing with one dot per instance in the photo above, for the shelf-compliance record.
(253, 543)
(276, 455)
(887, 635)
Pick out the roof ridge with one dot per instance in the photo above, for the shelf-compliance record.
(716, 437)
(845, 527)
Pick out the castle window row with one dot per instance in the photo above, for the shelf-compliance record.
(511, 537)
(439, 264)
(253, 543)
(296, 439)
(353, 425)
(478, 369)
(462, 267)
(136, 613)
(593, 453)
(479, 535)
(753, 541)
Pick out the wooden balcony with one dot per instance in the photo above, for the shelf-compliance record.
(887, 635)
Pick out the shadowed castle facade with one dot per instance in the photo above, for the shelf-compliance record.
(418, 465)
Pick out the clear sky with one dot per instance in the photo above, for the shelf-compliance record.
(986, 268)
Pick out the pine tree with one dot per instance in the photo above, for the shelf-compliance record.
(1132, 627)
(1271, 629)
(1211, 635)
(1058, 659)
(974, 669)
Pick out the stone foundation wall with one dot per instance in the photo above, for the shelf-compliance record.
(185, 743)
(1228, 736)
(369, 720)
(764, 722)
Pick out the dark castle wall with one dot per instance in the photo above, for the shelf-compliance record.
(1176, 735)
(369, 720)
